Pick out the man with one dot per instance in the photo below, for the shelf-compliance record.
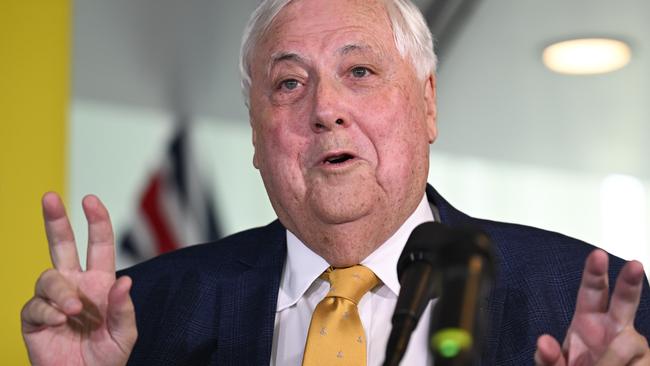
(341, 95)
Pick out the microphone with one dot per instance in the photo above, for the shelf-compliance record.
(453, 264)
(465, 275)
(415, 270)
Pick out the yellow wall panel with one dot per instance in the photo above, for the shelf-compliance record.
(34, 91)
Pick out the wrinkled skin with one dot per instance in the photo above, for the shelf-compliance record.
(79, 317)
(602, 330)
(341, 128)
(328, 81)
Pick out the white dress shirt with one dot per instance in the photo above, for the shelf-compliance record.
(301, 290)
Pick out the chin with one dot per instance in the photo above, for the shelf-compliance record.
(332, 214)
(338, 205)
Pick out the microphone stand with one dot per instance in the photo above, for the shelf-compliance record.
(456, 265)
(465, 277)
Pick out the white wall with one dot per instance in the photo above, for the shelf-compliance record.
(113, 148)
(612, 216)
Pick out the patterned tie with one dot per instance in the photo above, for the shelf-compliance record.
(336, 336)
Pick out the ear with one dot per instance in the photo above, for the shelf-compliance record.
(431, 108)
(256, 162)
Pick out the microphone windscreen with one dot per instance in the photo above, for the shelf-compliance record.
(423, 244)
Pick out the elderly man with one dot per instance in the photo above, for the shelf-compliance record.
(342, 104)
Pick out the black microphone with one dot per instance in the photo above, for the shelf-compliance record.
(465, 267)
(415, 270)
(455, 265)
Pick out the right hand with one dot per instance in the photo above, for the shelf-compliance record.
(79, 317)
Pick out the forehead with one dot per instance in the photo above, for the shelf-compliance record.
(334, 23)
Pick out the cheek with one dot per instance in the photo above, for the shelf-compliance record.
(399, 136)
(279, 151)
(281, 140)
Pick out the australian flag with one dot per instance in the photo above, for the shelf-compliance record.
(175, 208)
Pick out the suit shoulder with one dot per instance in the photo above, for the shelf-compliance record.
(535, 255)
(188, 301)
(518, 239)
(245, 247)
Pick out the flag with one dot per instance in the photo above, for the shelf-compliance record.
(175, 208)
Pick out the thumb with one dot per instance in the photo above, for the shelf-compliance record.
(549, 352)
(120, 317)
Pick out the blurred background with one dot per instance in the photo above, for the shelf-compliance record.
(146, 112)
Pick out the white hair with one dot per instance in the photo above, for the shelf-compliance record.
(412, 36)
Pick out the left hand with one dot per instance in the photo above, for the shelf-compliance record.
(598, 334)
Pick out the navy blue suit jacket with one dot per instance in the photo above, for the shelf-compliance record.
(214, 304)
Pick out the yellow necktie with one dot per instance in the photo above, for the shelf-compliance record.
(336, 336)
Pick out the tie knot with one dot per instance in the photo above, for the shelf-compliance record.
(351, 282)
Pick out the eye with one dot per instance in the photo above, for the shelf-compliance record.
(360, 71)
(289, 84)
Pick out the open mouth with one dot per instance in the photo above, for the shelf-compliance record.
(338, 158)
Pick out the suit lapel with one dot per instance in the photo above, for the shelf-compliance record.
(248, 302)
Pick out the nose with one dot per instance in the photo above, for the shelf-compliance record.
(329, 107)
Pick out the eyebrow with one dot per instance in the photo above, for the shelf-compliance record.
(292, 56)
(349, 48)
(286, 56)
(281, 56)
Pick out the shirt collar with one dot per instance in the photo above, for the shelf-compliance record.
(383, 261)
(303, 266)
(301, 269)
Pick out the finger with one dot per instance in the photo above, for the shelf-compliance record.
(626, 347)
(549, 352)
(594, 287)
(38, 313)
(88, 319)
(121, 314)
(627, 293)
(53, 287)
(101, 247)
(60, 237)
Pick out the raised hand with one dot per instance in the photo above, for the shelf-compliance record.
(79, 317)
(601, 332)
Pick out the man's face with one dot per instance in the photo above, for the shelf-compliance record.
(341, 123)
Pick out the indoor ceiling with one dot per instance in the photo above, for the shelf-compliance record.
(496, 99)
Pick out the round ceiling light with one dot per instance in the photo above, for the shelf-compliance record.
(586, 56)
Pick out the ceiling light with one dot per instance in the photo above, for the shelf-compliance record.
(586, 56)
